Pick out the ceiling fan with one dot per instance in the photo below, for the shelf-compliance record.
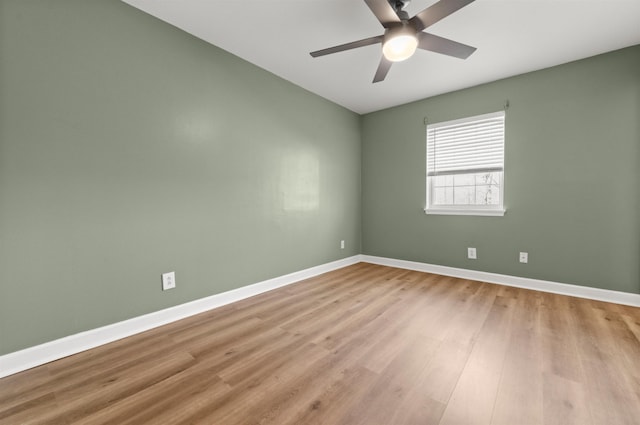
(403, 35)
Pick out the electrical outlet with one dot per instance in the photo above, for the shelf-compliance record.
(471, 253)
(524, 257)
(341, 244)
(168, 280)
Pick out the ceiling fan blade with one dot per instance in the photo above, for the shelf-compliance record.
(384, 12)
(348, 46)
(383, 69)
(445, 46)
(436, 12)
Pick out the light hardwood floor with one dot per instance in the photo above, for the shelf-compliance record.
(366, 344)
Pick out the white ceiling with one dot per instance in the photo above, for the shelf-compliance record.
(512, 37)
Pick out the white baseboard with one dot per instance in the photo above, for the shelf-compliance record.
(617, 297)
(40, 354)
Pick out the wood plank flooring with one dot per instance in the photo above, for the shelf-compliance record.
(366, 344)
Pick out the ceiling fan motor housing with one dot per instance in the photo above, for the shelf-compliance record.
(401, 28)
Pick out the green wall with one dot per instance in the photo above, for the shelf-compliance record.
(129, 148)
(572, 171)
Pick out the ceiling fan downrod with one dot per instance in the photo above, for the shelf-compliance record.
(398, 6)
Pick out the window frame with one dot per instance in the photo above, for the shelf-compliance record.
(473, 210)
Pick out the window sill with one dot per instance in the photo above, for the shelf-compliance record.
(478, 212)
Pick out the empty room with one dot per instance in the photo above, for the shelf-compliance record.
(362, 212)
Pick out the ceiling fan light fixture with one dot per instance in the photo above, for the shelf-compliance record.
(399, 46)
(404, 34)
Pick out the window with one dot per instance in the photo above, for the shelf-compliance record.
(465, 166)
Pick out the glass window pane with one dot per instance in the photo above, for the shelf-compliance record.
(439, 196)
(495, 195)
(439, 181)
(485, 178)
(481, 194)
(449, 193)
(485, 195)
(464, 179)
(442, 195)
(449, 181)
(482, 189)
(464, 195)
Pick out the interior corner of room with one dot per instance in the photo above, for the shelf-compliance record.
(129, 149)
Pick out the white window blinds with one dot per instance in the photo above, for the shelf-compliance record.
(468, 145)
